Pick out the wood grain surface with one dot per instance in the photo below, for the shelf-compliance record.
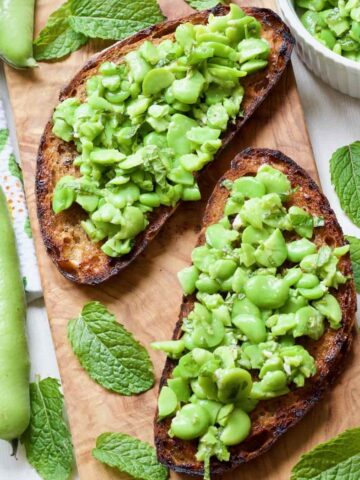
(146, 297)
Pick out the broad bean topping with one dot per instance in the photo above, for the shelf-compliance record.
(335, 24)
(149, 123)
(257, 293)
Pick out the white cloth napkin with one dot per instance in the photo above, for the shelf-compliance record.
(12, 185)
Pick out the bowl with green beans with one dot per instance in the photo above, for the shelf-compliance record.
(327, 33)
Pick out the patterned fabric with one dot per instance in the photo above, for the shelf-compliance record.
(11, 181)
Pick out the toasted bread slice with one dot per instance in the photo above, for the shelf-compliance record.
(273, 417)
(73, 253)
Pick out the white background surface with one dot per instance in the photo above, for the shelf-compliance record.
(333, 120)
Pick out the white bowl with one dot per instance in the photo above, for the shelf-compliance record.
(339, 72)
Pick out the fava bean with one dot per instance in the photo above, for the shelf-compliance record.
(180, 387)
(244, 306)
(274, 180)
(187, 278)
(167, 402)
(222, 269)
(176, 135)
(250, 187)
(208, 387)
(272, 251)
(330, 308)
(309, 322)
(156, 80)
(293, 276)
(254, 235)
(219, 237)
(299, 249)
(224, 414)
(208, 334)
(137, 65)
(251, 326)
(206, 284)
(188, 89)
(237, 428)
(173, 348)
(267, 291)
(190, 422)
(233, 384)
(210, 406)
(313, 293)
(293, 304)
(308, 280)
(238, 280)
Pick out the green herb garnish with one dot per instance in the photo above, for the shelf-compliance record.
(338, 458)
(129, 455)
(108, 352)
(58, 39)
(70, 27)
(345, 176)
(113, 19)
(47, 439)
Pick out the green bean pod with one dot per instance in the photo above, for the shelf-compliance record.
(14, 359)
(16, 32)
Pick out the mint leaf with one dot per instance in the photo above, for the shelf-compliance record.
(113, 19)
(4, 135)
(27, 228)
(203, 4)
(58, 39)
(14, 168)
(345, 176)
(337, 459)
(355, 258)
(47, 439)
(129, 455)
(108, 352)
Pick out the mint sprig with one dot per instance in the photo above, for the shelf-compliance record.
(129, 455)
(58, 39)
(345, 176)
(337, 459)
(71, 26)
(108, 352)
(47, 440)
(113, 19)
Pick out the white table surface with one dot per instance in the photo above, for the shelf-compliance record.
(333, 120)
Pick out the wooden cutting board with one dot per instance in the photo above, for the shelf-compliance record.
(146, 297)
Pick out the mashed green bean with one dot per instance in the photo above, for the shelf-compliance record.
(256, 294)
(149, 123)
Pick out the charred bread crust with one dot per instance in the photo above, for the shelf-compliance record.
(76, 257)
(271, 418)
